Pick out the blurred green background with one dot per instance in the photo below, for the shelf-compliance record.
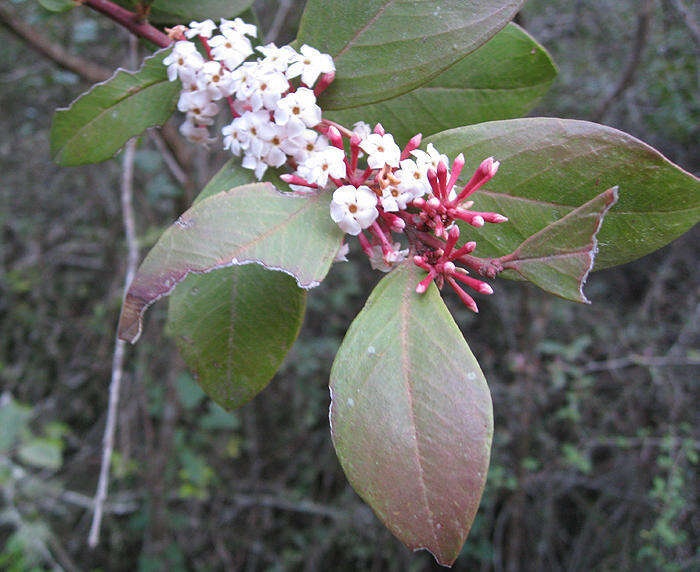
(596, 443)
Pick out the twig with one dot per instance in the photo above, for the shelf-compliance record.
(167, 140)
(127, 188)
(640, 40)
(168, 158)
(621, 363)
(56, 53)
(280, 16)
(688, 20)
(130, 20)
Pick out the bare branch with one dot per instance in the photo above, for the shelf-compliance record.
(133, 22)
(627, 79)
(641, 361)
(280, 16)
(127, 188)
(54, 52)
(690, 23)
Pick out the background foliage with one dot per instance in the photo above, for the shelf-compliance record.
(594, 446)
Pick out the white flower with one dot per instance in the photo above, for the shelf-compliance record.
(394, 199)
(184, 60)
(260, 130)
(379, 262)
(196, 133)
(277, 58)
(236, 136)
(216, 79)
(252, 162)
(275, 153)
(430, 159)
(245, 80)
(354, 208)
(203, 29)
(298, 106)
(362, 129)
(271, 86)
(319, 166)
(381, 149)
(414, 179)
(230, 48)
(310, 64)
(198, 105)
(304, 144)
(239, 26)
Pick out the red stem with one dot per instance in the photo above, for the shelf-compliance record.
(130, 20)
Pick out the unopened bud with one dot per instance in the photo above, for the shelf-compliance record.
(433, 202)
(335, 137)
(477, 221)
(379, 129)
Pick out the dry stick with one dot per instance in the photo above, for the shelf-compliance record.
(280, 16)
(688, 20)
(130, 20)
(56, 53)
(127, 191)
(168, 140)
(640, 40)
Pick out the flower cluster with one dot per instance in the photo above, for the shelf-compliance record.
(380, 189)
(273, 118)
(410, 192)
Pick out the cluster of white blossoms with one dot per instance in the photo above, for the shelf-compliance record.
(276, 121)
(273, 118)
(354, 208)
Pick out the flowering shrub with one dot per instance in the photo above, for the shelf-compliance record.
(410, 413)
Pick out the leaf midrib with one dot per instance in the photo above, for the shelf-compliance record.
(403, 335)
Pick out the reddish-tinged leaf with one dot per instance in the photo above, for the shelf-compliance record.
(550, 167)
(235, 325)
(560, 256)
(411, 416)
(251, 223)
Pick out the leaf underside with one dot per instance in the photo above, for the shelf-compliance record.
(235, 325)
(233, 328)
(501, 80)
(549, 167)
(559, 258)
(250, 223)
(383, 48)
(96, 125)
(411, 417)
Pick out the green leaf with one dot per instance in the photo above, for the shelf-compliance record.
(551, 166)
(183, 11)
(14, 421)
(383, 48)
(100, 121)
(235, 326)
(560, 256)
(502, 79)
(42, 453)
(411, 416)
(57, 5)
(250, 223)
